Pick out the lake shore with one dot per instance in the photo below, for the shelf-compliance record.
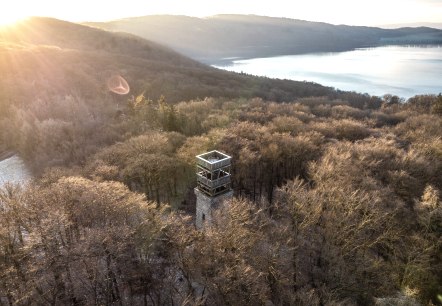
(13, 169)
(404, 71)
(6, 154)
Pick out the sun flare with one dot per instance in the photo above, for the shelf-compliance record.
(9, 17)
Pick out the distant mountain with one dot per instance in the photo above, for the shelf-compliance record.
(44, 57)
(228, 36)
(435, 25)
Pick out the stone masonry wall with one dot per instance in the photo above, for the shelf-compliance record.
(205, 205)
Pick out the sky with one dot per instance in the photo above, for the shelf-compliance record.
(351, 12)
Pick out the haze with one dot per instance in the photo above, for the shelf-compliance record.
(375, 12)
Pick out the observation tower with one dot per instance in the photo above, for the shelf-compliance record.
(213, 184)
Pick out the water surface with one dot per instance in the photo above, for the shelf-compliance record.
(13, 170)
(399, 70)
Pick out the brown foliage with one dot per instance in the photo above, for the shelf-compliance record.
(78, 242)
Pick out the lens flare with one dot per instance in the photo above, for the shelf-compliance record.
(117, 84)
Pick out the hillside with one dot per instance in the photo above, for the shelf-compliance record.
(50, 55)
(337, 198)
(225, 36)
(50, 66)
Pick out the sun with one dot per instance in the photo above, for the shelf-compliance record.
(10, 17)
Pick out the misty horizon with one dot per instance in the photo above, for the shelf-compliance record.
(373, 13)
(414, 24)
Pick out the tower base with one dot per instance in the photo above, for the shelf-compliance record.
(205, 205)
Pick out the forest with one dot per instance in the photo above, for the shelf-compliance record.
(334, 205)
(337, 195)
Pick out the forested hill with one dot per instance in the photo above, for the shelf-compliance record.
(52, 69)
(337, 199)
(58, 57)
(222, 36)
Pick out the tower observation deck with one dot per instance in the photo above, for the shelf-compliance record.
(213, 173)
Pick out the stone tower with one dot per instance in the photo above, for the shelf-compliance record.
(213, 179)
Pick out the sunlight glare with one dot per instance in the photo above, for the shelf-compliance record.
(11, 15)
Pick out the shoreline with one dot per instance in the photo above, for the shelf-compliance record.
(6, 154)
(229, 61)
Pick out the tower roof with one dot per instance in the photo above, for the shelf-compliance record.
(213, 160)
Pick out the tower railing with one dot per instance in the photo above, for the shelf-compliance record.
(213, 173)
(215, 183)
(213, 160)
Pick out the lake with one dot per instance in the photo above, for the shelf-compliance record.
(13, 170)
(404, 71)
